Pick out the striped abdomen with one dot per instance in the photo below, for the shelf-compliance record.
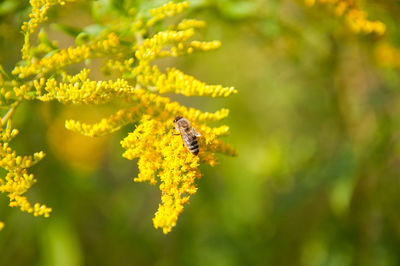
(191, 143)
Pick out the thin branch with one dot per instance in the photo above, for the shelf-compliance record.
(9, 113)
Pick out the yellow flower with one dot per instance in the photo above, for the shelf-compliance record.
(162, 155)
(355, 18)
(176, 81)
(106, 125)
(37, 15)
(17, 180)
(190, 23)
(167, 10)
(69, 56)
(129, 48)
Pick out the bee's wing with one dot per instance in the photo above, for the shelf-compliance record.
(196, 133)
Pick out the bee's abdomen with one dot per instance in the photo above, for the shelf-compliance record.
(192, 145)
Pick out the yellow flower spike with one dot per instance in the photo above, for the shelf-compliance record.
(355, 18)
(205, 46)
(69, 56)
(164, 155)
(17, 181)
(151, 101)
(41, 210)
(128, 49)
(179, 171)
(113, 65)
(106, 125)
(190, 23)
(1, 226)
(37, 15)
(80, 89)
(180, 83)
(167, 10)
(140, 144)
(152, 48)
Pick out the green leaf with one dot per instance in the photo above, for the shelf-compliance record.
(94, 29)
(72, 31)
(82, 38)
(43, 38)
(238, 10)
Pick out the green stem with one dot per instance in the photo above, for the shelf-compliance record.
(9, 113)
(2, 71)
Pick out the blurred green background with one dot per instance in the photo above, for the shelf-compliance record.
(316, 125)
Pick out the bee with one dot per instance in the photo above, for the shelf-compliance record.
(188, 133)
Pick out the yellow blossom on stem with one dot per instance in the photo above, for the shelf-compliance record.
(167, 10)
(355, 18)
(106, 125)
(163, 155)
(69, 56)
(17, 180)
(190, 23)
(160, 153)
(80, 89)
(176, 81)
(37, 15)
(128, 48)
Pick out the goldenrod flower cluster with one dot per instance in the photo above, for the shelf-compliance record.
(37, 15)
(13, 91)
(168, 10)
(128, 48)
(17, 180)
(176, 81)
(65, 57)
(355, 18)
(162, 155)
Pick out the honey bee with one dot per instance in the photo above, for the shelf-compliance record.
(188, 133)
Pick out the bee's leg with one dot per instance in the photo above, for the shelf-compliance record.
(174, 134)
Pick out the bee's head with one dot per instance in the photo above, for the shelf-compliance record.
(177, 118)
